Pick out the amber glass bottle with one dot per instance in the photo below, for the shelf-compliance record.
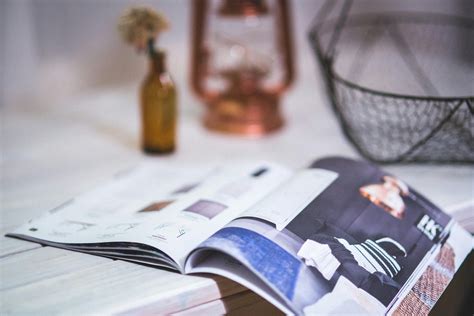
(158, 107)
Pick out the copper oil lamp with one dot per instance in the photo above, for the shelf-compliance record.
(241, 63)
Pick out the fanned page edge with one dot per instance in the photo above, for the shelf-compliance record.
(162, 259)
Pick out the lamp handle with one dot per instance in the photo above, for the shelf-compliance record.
(199, 57)
(285, 45)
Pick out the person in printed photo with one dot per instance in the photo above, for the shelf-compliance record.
(369, 227)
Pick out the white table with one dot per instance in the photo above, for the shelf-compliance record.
(55, 148)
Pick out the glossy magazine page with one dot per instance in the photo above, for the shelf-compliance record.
(343, 235)
(155, 214)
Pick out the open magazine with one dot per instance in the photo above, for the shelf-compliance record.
(339, 235)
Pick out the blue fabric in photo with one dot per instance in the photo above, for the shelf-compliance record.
(274, 263)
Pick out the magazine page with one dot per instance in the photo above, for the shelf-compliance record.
(226, 266)
(362, 242)
(155, 214)
(219, 200)
(110, 215)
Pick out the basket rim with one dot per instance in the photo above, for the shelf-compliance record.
(314, 35)
(352, 85)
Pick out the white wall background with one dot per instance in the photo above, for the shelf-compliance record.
(56, 48)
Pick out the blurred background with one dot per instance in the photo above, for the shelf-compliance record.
(68, 46)
(69, 100)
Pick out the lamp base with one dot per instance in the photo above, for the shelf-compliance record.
(254, 115)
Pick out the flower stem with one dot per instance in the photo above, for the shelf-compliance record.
(151, 47)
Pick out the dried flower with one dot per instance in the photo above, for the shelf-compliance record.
(140, 24)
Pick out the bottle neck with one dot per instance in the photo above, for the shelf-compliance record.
(157, 58)
(157, 62)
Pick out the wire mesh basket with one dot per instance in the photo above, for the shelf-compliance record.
(401, 84)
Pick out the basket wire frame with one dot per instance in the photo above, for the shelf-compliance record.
(386, 126)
